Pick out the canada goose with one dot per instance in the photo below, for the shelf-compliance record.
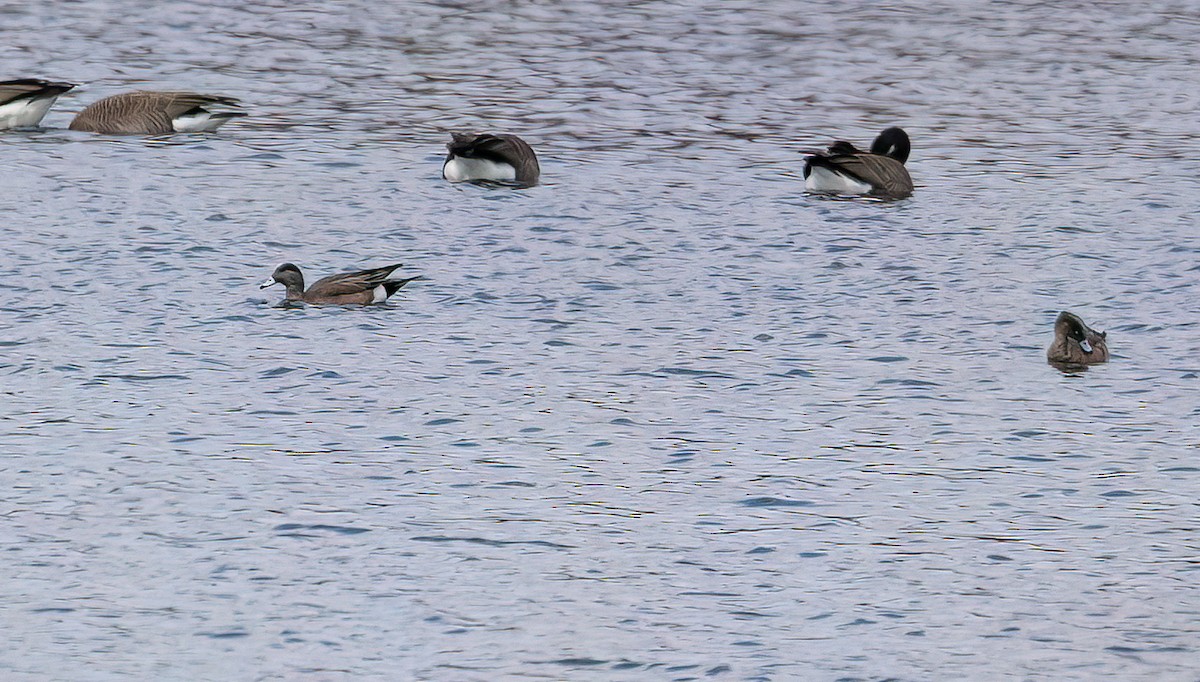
(25, 101)
(488, 157)
(846, 170)
(156, 113)
(362, 287)
(1075, 343)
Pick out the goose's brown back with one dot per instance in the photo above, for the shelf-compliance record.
(142, 113)
(885, 174)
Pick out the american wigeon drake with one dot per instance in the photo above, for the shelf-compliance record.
(490, 158)
(362, 287)
(157, 113)
(25, 101)
(846, 170)
(1075, 343)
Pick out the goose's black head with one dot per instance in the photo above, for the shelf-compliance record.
(892, 142)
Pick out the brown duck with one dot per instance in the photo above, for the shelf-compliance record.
(1075, 343)
(362, 287)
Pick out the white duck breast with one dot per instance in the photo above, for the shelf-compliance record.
(822, 179)
(462, 169)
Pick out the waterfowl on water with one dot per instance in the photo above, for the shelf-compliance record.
(362, 287)
(846, 170)
(157, 113)
(25, 101)
(1075, 343)
(492, 158)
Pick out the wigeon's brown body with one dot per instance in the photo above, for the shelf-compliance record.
(362, 287)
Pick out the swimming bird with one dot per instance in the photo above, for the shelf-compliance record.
(1075, 343)
(488, 157)
(24, 101)
(156, 113)
(362, 287)
(846, 170)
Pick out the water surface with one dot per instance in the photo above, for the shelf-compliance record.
(664, 416)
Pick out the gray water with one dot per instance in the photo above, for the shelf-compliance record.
(663, 417)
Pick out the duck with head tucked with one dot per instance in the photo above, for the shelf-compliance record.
(843, 169)
(1076, 344)
(505, 159)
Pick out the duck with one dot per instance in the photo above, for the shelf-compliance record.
(490, 157)
(361, 287)
(152, 112)
(844, 169)
(25, 101)
(1075, 343)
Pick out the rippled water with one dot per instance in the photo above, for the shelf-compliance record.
(662, 417)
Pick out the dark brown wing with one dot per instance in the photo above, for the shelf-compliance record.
(32, 88)
(176, 104)
(885, 174)
(350, 282)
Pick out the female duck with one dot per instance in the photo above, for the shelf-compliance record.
(1075, 343)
